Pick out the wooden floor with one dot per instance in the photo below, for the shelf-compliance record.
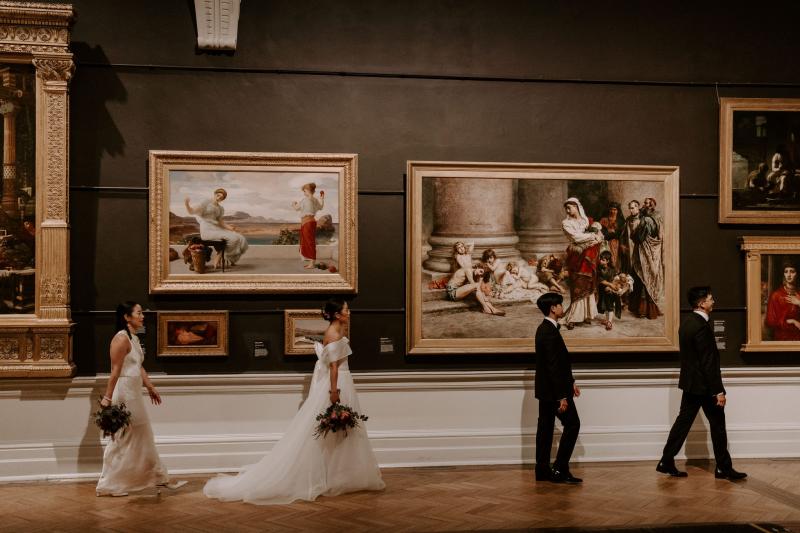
(432, 499)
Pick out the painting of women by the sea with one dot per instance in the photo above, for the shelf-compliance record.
(18, 204)
(487, 240)
(257, 227)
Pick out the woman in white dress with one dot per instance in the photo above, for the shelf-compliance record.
(130, 462)
(213, 228)
(581, 262)
(299, 466)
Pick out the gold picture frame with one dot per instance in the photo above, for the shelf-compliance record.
(253, 238)
(302, 327)
(37, 66)
(770, 311)
(192, 333)
(759, 164)
(516, 211)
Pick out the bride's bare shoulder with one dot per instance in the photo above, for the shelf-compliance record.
(331, 335)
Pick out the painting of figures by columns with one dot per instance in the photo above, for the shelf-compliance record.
(18, 204)
(231, 222)
(486, 240)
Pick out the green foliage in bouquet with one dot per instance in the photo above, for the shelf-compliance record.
(337, 417)
(112, 419)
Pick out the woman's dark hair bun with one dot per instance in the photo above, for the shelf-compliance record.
(332, 306)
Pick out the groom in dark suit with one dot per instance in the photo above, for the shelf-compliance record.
(701, 383)
(554, 388)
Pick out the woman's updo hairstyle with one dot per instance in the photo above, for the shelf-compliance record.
(332, 306)
(125, 308)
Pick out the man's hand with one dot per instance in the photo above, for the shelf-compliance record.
(721, 399)
(563, 406)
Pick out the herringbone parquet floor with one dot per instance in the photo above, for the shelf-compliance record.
(431, 499)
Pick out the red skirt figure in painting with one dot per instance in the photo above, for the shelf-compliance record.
(783, 308)
(308, 208)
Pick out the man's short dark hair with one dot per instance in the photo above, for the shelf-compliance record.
(548, 300)
(697, 295)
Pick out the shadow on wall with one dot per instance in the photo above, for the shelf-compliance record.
(93, 137)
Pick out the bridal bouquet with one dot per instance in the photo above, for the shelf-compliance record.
(112, 419)
(337, 417)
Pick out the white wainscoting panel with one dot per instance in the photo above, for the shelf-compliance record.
(214, 423)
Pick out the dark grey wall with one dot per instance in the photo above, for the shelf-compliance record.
(565, 82)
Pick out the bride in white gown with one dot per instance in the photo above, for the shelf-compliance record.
(130, 461)
(299, 466)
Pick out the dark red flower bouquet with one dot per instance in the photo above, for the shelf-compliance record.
(112, 419)
(337, 417)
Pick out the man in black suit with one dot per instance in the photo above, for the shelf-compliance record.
(701, 383)
(554, 388)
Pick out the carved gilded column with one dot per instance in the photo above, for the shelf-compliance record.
(472, 210)
(39, 344)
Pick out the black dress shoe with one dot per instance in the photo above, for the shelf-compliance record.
(670, 469)
(729, 474)
(560, 476)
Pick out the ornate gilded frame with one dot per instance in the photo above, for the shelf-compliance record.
(344, 280)
(290, 318)
(40, 344)
(727, 214)
(416, 343)
(220, 349)
(755, 249)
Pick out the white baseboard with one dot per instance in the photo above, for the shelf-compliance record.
(215, 423)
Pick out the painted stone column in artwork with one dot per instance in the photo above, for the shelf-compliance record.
(472, 210)
(9, 96)
(540, 205)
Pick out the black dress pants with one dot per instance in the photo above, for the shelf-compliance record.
(548, 411)
(690, 405)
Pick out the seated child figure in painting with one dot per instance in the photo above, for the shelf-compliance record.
(518, 276)
(459, 287)
(462, 257)
(549, 272)
(608, 298)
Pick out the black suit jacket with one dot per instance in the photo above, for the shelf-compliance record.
(700, 372)
(553, 369)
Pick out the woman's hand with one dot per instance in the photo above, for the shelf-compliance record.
(105, 401)
(792, 299)
(793, 322)
(334, 395)
(154, 396)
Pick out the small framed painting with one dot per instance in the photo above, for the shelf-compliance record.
(304, 327)
(773, 303)
(192, 333)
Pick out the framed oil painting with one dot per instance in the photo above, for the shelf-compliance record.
(252, 222)
(486, 240)
(773, 303)
(304, 327)
(759, 161)
(192, 333)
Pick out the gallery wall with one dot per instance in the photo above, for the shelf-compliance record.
(567, 82)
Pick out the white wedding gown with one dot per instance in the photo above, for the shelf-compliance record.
(130, 461)
(301, 467)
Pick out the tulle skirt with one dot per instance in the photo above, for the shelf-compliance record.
(301, 467)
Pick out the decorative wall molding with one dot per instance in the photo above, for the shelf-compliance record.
(212, 423)
(217, 24)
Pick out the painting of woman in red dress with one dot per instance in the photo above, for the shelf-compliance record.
(783, 307)
(308, 208)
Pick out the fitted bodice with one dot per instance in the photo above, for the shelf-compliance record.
(132, 364)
